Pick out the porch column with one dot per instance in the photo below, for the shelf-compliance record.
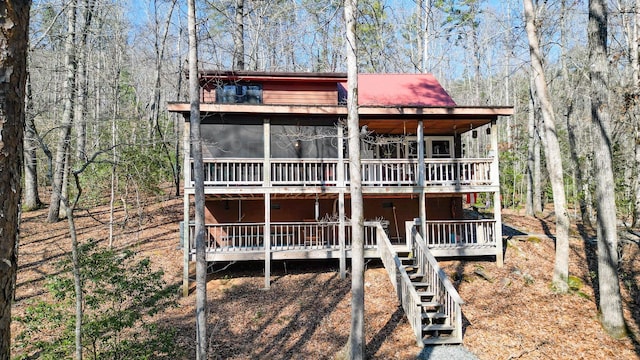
(267, 202)
(266, 136)
(497, 205)
(341, 216)
(421, 177)
(186, 173)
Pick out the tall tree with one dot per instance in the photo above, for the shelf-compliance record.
(14, 21)
(31, 197)
(356, 339)
(238, 37)
(67, 114)
(553, 154)
(608, 282)
(202, 343)
(81, 84)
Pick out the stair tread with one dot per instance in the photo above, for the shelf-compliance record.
(416, 275)
(430, 303)
(441, 340)
(434, 315)
(437, 327)
(420, 283)
(426, 293)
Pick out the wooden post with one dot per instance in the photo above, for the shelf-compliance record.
(421, 177)
(186, 247)
(267, 240)
(497, 205)
(186, 168)
(341, 215)
(266, 135)
(267, 202)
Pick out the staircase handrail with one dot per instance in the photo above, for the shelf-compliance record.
(417, 241)
(407, 294)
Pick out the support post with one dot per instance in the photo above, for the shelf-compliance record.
(341, 213)
(421, 178)
(186, 246)
(186, 173)
(497, 205)
(267, 202)
(267, 241)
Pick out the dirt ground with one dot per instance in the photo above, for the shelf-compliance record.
(510, 313)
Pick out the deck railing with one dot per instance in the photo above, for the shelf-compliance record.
(304, 172)
(249, 237)
(324, 172)
(407, 293)
(445, 234)
(445, 293)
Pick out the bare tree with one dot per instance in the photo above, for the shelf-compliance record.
(14, 19)
(67, 114)
(608, 282)
(356, 339)
(553, 153)
(238, 37)
(198, 168)
(31, 196)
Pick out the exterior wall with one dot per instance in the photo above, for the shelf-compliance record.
(444, 208)
(296, 210)
(289, 93)
(296, 93)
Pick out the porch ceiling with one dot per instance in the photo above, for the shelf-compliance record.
(431, 127)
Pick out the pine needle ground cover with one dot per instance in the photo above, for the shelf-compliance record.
(510, 312)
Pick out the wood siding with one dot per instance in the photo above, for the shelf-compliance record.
(281, 93)
(287, 93)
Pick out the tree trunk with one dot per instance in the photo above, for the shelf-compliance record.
(238, 37)
(31, 197)
(198, 168)
(531, 131)
(14, 19)
(81, 93)
(67, 119)
(635, 87)
(356, 339)
(568, 97)
(553, 155)
(608, 282)
(77, 279)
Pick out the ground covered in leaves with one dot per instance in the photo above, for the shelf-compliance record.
(510, 312)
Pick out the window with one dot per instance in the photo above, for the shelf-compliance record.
(239, 93)
(440, 146)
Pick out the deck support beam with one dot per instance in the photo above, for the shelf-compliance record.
(267, 241)
(341, 213)
(186, 245)
(497, 205)
(267, 203)
(421, 178)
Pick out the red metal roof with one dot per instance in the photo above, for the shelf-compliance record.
(401, 90)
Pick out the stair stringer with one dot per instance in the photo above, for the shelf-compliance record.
(431, 303)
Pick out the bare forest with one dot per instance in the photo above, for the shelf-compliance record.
(99, 264)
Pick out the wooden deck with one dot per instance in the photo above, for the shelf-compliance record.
(448, 175)
(321, 240)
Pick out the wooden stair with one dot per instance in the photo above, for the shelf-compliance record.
(435, 325)
(430, 302)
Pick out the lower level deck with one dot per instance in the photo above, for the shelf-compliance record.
(331, 240)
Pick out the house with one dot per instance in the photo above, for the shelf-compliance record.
(277, 179)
